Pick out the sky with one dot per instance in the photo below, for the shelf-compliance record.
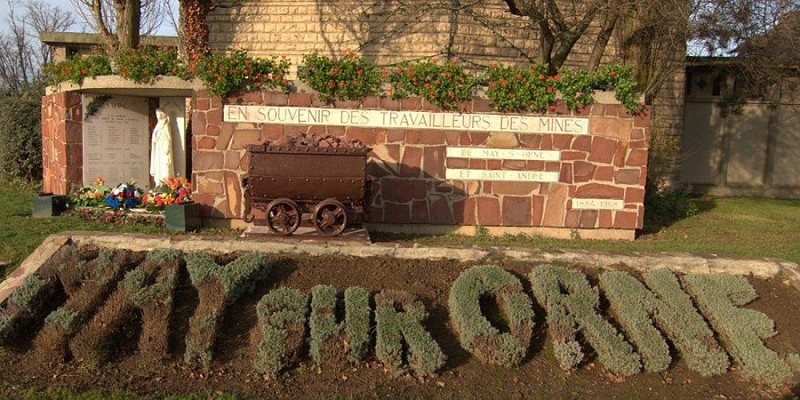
(166, 29)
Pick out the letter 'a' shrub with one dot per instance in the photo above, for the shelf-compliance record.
(719, 297)
(475, 331)
(638, 310)
(572, 305)
(282, 315)
(398, 318)
(332, 338)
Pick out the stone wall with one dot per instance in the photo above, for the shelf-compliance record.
(407, 166)
(62, 142)
(477, 32)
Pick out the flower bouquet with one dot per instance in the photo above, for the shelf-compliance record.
(93, 195)
(125, 195)
(173, 190)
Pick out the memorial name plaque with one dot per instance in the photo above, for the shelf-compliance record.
(597, 204)
(503, 154)
(116, 141)
(500, 175)
(406, 119)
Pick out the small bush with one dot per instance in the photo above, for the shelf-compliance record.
(444, 85)
(348, 78)
(223, 74)
(144, 64)
(217, 286)
(634, 306)
(282, 315)
(572, 305)
(398, 318)
(26, 295)
(720, 297)
(334, 338)
(77, 68)
(476, 332)
(665, 206)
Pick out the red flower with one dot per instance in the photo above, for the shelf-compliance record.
(427, 85)
(331, 84)
(613, 73)
(492, 85)
(553, 107)
(384, 72)
(503, 82)
(541, 77)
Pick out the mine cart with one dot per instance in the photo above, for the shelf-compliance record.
(292, 184)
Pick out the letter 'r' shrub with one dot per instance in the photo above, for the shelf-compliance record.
(475, 332)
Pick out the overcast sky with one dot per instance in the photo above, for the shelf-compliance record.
(166, 29)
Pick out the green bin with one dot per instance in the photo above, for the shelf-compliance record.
(183, 217)
(48, 205)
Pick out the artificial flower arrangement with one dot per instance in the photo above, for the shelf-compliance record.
(125, 195)
(93, 195)
(173, 190)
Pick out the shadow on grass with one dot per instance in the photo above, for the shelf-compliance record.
(664, 208)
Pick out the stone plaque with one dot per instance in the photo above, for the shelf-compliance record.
(407, 119)
(503, 154)
(597, 204)
(500, 175)
(116, 141)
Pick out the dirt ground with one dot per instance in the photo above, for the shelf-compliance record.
(463, 377)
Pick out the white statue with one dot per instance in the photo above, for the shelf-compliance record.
(161, 165)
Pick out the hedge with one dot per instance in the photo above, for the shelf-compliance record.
(638, 309)
(719, 297)
(475, 332)
(398, 318)
(572, 306)
(282, 315)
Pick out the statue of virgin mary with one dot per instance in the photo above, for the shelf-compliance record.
(161, 165)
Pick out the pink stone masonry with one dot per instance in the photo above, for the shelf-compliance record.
(407, 166)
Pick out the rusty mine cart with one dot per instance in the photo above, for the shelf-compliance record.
(292, 184)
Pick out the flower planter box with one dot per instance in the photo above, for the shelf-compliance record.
(48, 205)
(183, 217)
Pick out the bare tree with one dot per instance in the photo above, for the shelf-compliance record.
(21, 53)
(120, 23)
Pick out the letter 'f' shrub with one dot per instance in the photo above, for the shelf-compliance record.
(475, 332)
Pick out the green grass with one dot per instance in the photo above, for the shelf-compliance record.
(20, 233)
(725, 226)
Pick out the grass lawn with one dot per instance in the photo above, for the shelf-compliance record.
(734, 226)
(729, 227)
(20, 233)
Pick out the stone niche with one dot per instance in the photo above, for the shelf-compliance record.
(102, 128)
(586, 182)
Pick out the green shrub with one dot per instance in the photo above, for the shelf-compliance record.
(441, 84)
(476, 332)
(348, 78)
(218, 286)
(634, 306)
(21, 138)
(665, 206)
(68, 319)
(719, 297)
(794, 360)
(328, 335)
(236, 278)
(398, 319)
(77, 68)
(282, 315)
(223, 74)
(357, 322)
(6, 325)
(26, 295)
(572, 305)
(145, 63)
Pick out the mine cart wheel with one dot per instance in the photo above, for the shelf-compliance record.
(283, 216)
(330, 217)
